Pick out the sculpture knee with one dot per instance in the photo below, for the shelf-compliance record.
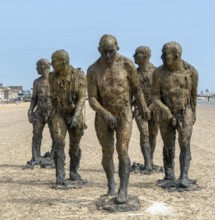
(59, 153)
(108, 153)
(59, 143)
(122, 154)
(74, 151)
(37, 138)
(169, 152)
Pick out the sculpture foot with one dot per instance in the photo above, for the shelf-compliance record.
(111, 193)
(47, 162)
(61, 186)
(187, 185)
(74, 176)
(121, 198)
(33, 163)
(147, 170)
(157, 169)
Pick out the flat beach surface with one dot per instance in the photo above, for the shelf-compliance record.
(27, 194)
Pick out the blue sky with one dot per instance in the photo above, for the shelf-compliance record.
(33, 29)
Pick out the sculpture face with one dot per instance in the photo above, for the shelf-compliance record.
(39, 69)
(42, 66)
(168, 56)
(108, 52)
(57, 64)
(139, 57)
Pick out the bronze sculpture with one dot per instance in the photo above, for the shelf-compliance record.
(40, 100)
(148, 129)
(112, 81)
(68, 93)
(174, 93)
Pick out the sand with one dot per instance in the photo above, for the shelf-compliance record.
(27, 194)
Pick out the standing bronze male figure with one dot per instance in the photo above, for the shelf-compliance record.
(112, 81)
(41, 100)
(68, 92)
(175, 92)
(148, 129)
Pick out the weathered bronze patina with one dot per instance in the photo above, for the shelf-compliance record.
(148, 129)
(112, 81)
(68, 93)
(40, 100)
(174, 91)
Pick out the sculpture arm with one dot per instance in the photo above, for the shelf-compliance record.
(194, 93)
(136, 90)
(81, 96)
(34, 100)
(156, 95)
(92, 89)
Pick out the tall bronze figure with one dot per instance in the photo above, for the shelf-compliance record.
(68, 93)
(175, 92)
(41, 100)
(112, 81)
(148, 129)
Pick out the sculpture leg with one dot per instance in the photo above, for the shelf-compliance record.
(123, 134)
(146, 151)
(106, 139)
(36, 141)
(59, 159)
(124, 173)
(52, 137)
(168, 136)
(185, 132)
(144, 141)
(59, 134)
(75, 135)
(153, 131)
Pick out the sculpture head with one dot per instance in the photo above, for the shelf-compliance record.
(142, 55)
(43, 66)
(171, 54)
(60, 59)
(108, 47)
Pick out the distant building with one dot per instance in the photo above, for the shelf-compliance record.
(18, 88)
(11, 93)
(1, 93)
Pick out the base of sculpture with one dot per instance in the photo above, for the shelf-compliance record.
(177, 186)
(140, 168)
(70, 184)
(109, 204)
(44, 162)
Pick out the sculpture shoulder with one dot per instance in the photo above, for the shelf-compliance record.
(93, 69)
(152, 67)
(51, 75)
(128, 63)
(79, 75)
(36, 81)
(187, 66)
(158, 71)
(79, 72)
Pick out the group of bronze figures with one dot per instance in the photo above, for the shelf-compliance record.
(163, 97)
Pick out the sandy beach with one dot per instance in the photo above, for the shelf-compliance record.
(27, 194)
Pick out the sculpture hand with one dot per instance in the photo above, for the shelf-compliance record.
(51, 115)
(194, 119)
(72, 121)
(173, 122)
(30, 117)
(146, 114)
(110, 120)
(168, 115)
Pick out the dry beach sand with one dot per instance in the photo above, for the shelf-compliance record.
(27, 194)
